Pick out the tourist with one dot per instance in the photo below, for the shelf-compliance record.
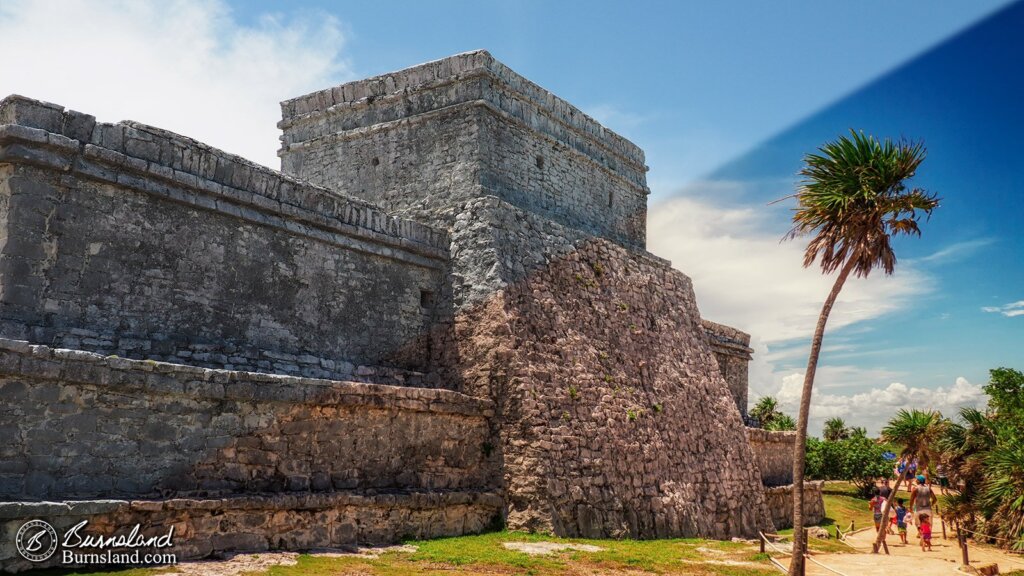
(885, 490)
(940, 473)
(926, 532)
(901, 520)
(910, 471)
(875, 505)
(921, 500)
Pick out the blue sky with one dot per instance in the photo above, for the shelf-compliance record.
(724, 97)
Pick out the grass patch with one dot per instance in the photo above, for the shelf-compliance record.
(843, 505)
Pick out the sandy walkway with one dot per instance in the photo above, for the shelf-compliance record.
(943, 559)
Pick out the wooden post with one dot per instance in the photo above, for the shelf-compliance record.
(762, 543)
(807, 546)
(963, 550)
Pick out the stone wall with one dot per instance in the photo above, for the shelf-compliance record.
(615, 419)
(732, 352)
(205, 526)
(773, 454)
(423, 141)
(594, 403)
(129, 240)
(780, 504)
(79, 425)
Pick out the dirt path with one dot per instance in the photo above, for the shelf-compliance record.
(942, 560)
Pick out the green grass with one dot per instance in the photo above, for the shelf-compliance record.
(842, 505)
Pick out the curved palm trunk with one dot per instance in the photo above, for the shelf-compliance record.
(885, 516)
(796, 565)
(923, 463)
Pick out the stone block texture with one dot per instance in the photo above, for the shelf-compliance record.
(773, 454)
(733, 353)
(189, 339)
(779, 500)
(144, 244)
(423, 141)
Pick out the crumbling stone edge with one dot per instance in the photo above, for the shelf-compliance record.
(19, 358)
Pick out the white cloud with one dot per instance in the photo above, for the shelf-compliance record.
(1009, 310)
(745, 277)
(874, 407)
(183, 65)
(957, 251)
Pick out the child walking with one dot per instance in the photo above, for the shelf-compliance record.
(901, 520)
(926, 533)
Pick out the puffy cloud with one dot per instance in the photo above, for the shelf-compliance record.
(744, 276)
(1009, 310)
(184, 65)
(874, 407)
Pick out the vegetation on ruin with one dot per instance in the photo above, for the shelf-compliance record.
(767, 415)
(852, 200)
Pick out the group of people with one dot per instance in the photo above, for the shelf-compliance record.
(920, 514)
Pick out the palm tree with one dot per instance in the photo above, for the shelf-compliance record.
(852, 199)
(835, 430)
(781, 421)
(914, 432)
(766, 410)
(1002, 497)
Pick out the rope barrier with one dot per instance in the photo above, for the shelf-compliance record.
(996, 538)
(808, 556)
(778, 565)
(992, 537)
(774, 547)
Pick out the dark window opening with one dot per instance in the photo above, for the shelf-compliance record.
(540, 162)
(610, 197)
(375, 162)
(426, 298)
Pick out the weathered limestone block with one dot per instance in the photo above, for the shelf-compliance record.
(205, 526)
(780, 504)
(130, 240)
(773, 454)
(87, 426)
(421, 142)
(616, 421)
(732, 352)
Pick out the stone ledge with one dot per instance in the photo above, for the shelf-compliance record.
(158, 161)
(761, 435)
(21, 359)
(728, 340)
(301, 501)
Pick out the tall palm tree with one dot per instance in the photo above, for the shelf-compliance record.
(852, 200)
(915, 433)
(835, 430)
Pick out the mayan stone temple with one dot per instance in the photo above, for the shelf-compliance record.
(438, 318)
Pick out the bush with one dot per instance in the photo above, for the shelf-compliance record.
(858, 459)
